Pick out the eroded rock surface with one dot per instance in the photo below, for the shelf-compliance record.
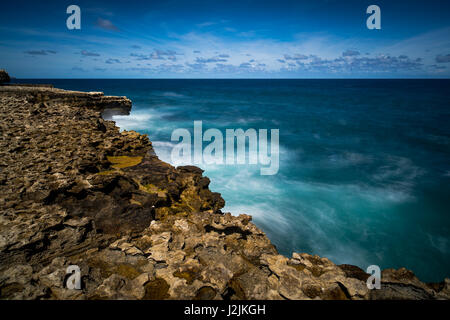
(74, 190)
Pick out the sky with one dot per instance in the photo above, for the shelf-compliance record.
(225, 39)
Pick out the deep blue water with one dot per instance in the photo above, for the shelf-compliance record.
(364, 164)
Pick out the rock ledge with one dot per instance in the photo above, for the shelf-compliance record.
(4, 77)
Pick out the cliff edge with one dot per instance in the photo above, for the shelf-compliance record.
(77, 191)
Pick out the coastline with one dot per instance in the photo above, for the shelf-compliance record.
(78, 191)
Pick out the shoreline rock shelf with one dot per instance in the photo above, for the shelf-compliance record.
(77, 191)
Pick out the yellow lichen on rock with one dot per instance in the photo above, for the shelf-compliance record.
(120, 162)
(131, 133)
(104, 173)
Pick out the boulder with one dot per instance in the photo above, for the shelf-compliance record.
(4, 76)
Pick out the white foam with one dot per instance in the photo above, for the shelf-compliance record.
(262, 213)
(135, 121)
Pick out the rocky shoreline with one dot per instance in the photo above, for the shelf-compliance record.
(77, 191)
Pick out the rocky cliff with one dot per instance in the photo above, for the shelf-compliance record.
(74, 190)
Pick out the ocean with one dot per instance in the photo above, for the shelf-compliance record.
(364, 166)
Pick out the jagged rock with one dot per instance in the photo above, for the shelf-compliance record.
(77, 191)
(402, 284)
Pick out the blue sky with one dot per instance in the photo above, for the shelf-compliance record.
(225, 39)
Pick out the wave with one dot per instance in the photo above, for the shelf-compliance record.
(315, 228)
(138, 120)
(334, 200)
(348, 158)
(263, 214)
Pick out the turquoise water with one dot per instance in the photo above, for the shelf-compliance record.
(364, 164)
